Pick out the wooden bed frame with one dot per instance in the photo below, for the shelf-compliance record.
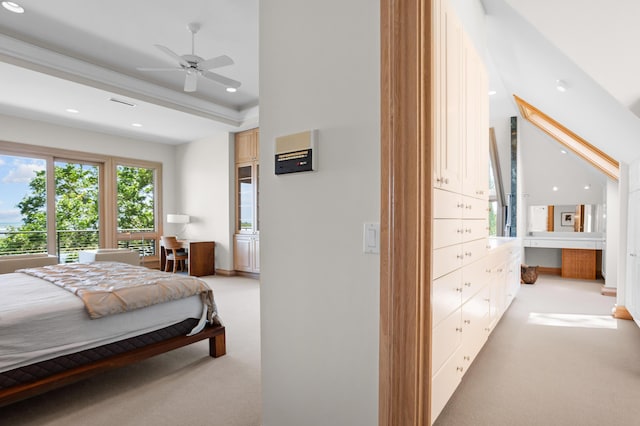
(217, 347)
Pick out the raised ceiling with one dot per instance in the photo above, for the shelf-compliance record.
(70, 54)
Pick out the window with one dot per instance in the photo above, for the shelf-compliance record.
(61, 205)
(76, 207)
(496, 208)
(136, 209)
(23, 208)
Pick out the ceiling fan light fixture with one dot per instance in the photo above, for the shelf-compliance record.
(12, 7)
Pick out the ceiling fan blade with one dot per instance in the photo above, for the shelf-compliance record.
(159, 69)
(174, 55)
(190, 81)
(225, 81)
(217, 62)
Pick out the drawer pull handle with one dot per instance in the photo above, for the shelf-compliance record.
(459, 256)
(467, 284)
(459, 329)
(467, 358)
(459, 289)
(467, 321)
(460, 369)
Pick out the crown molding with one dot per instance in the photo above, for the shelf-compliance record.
(43, 60)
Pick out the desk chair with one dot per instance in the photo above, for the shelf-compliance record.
(173, 253)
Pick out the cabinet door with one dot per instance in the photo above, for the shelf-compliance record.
(256, 254)
(242, 254)
(633, 259)
(246, 146)
(450, 156)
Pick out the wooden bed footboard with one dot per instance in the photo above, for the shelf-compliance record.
(217, 347)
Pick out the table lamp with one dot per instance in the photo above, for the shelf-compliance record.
(178, 218)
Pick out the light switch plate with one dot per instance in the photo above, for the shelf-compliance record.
(371, 238)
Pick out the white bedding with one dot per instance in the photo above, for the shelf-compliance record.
(39, 321)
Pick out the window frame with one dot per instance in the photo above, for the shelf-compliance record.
(107, 188)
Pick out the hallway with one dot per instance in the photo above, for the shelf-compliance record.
(558, 358)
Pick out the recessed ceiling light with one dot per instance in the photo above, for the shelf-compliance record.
(561, 86)
(231, 89)
(12, 7)
(555, 188)
(587, 186)
(563, 151)
(72, 110)
(492, 92)
(136, 124)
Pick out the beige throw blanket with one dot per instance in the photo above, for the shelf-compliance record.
(108, 288)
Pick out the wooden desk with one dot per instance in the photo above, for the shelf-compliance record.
(202, 257)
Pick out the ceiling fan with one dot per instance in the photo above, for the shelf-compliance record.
(194, 66)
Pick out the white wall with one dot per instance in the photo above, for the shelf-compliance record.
(206, 193)
(319, 68)
(544, 166)
(31, 132)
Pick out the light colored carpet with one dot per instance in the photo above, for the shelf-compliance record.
(182, 387)
(544, 367)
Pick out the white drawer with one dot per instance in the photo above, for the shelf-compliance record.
(475, 323)
(444, 383)
(446, 259)
(447, 232)
(475, 208)
(445, 339)
(475, 276)
(446, 296)
(447, 205)
(474, 250)
(473, 229)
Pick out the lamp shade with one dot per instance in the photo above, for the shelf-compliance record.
(178, 218)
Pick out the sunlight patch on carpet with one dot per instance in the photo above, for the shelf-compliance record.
(573, 320)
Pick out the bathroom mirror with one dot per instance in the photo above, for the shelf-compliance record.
(566, 218)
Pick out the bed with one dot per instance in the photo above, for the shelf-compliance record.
(62, 323)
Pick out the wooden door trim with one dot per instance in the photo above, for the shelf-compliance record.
(405, 256)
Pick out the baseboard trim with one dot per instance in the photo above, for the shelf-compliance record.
(549, 271)
(620, 312)
(225, 272)
(608, 291)
(248, 274)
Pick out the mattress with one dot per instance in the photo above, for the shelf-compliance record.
(41, 321)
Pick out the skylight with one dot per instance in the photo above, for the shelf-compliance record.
(570, 140)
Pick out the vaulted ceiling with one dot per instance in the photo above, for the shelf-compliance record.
(587, 45)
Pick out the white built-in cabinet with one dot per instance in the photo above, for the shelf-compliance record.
(246, 251)
(473, 280)
(632, 302)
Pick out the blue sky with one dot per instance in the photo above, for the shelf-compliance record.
(15, 174)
